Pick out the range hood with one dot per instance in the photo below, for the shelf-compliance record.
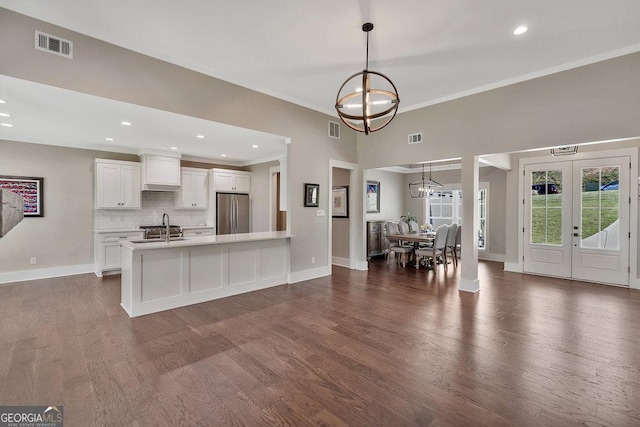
(160, 172)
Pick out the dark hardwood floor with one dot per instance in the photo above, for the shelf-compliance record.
(391, 346)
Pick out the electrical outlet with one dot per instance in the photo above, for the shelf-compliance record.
(313, 260)
(33, 260)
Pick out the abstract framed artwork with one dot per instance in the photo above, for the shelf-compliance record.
(30, 188)
(373, 196)
(311, 195)
(340, 202)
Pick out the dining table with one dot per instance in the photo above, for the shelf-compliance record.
(415, 238)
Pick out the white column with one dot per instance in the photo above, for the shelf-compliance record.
(469, 252)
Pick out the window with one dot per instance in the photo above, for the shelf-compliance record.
(445, 207)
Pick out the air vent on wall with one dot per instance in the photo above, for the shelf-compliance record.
(334, 130)
(52, 44)
(415, 138)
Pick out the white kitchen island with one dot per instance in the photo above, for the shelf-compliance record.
(159, 276)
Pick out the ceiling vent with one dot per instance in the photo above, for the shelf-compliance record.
(52, 44)
(334, 130)
(415, 138)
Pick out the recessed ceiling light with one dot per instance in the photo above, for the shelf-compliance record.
(126, 123)
(108, 139)
(9, 125)
(5, 115)
(223, 155)
(520, 30)
(2, 101)
(200, 136)
(255, 146)
(174, 148)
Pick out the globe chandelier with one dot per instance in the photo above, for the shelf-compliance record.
(374, 95)
(423, 188)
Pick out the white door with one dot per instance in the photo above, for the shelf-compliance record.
(601, 220)
(547, 224)
(577, 220)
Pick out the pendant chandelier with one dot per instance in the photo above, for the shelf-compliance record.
(423, 188)
(374, 96)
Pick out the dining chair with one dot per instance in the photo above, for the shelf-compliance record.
(438, 250)
(414, 227)
(403, 227)
(396, 246)
(451, 243)
(457, 245)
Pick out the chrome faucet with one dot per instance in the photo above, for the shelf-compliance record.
(167, 238)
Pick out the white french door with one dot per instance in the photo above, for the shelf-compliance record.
(577, 220)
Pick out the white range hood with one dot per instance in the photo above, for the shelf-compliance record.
(160, 172)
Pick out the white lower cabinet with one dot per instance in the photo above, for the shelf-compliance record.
(107, 248)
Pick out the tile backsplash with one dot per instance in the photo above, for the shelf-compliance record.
(154, 204)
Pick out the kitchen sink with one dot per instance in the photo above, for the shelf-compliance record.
(177, 239)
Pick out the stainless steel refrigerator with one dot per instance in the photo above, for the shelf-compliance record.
(233, 213)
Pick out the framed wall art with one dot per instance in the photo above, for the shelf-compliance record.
(340, 202)
(373, 197)
(311, 195)
(30, 188)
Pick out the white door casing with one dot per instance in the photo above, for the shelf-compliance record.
(561, 250)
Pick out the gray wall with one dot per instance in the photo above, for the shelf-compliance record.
(63, 237)
(102, 69)
(392, 203)
(340, 232)
(591, 103)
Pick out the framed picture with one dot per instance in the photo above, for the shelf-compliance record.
(311, 195)
(340, 202)
(373, 197)
(31, 189)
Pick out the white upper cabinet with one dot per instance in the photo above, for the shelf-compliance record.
(117, 184)
(232, 181)
(160, 173)
(193, 193)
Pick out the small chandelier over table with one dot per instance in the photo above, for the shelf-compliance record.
(423, 188)
(374, 100)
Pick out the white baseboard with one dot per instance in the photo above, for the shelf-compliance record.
(362, 265)
(314, 273)
(342, 262)
(45, 273)
(514, 267)
(488, 256)
(468, 285)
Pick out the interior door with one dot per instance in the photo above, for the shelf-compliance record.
(547, 222)
(601, 220)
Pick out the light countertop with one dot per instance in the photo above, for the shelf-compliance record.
(209, 240)
(116, 230)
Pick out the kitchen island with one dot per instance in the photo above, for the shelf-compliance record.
(161, 275)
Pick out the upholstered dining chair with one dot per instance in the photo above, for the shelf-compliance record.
(414, 227)
(457, 245)
(403, 227)
(402, 253)
(438, 249)
(451, 243)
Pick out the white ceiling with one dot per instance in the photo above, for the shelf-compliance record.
(302, 51)
(41, 113)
